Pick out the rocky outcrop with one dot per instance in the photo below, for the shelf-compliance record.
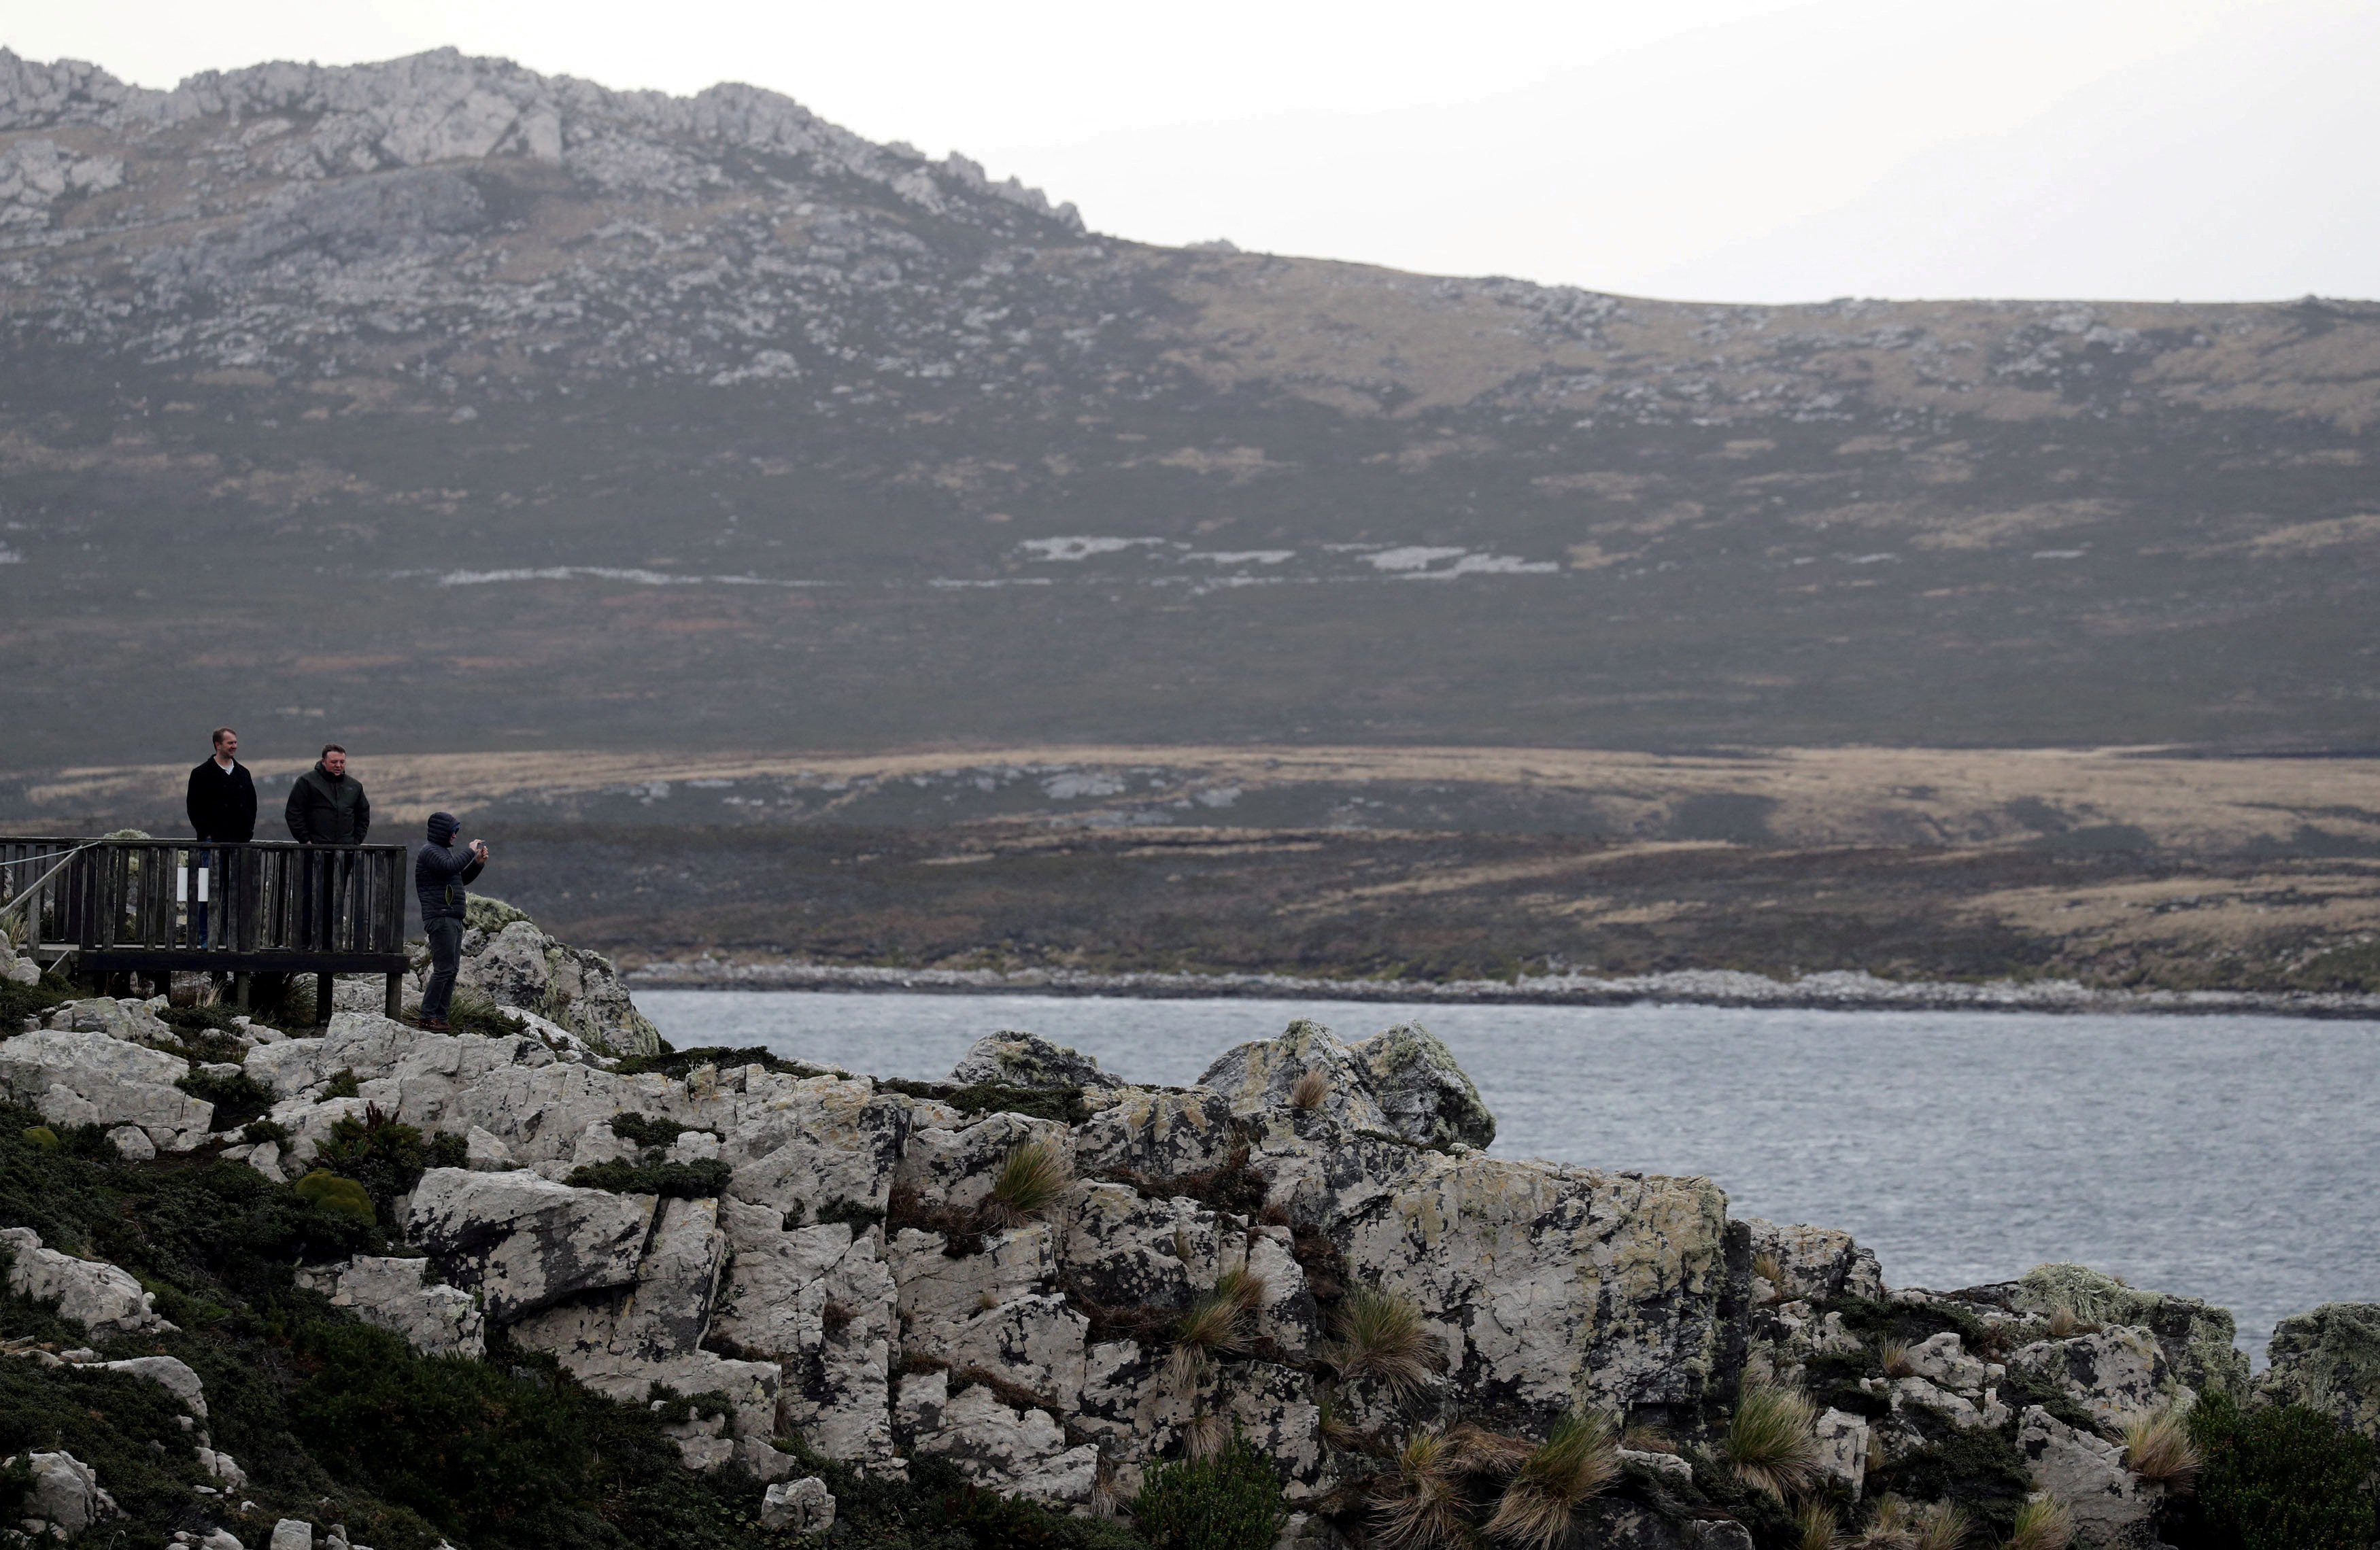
(520, 967)
(524, 1242)
(77, 1076)
(1027, 1061)
(64, 1497)
(2117, 1375)
(1814, 1261)
(2330, 1361)
(103, 1299)
(394, 1294)
(1403, 1082)
(2111, 1505)
(2199, 1339)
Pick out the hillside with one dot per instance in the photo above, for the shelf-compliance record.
(448, 406)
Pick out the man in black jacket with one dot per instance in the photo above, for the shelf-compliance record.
(326, 807)
(439, 873)
(222, 808)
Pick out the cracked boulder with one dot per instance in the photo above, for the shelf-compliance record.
(1818, 1262)
(1017, 1059)
(100, 1297)
(395, 1295)
(819, 1300)
(1157, 1133)
(2330, 1361)
(1424, 1095)
(2119, 1375)
(1267, 1073)
(524, 1242)
(1020, 1452)
(1553, 1285)
(520, 967)
(84, 1077)
(2198, 1338)
(2111, 1505)
(64, 1495)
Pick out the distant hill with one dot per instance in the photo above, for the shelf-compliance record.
(445, 405)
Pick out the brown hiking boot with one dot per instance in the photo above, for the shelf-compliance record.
(436, 1025)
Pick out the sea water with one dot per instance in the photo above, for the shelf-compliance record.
(2234, 1158)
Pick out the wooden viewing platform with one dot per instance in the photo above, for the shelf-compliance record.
(132, 906)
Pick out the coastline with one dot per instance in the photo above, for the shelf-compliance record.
(1834, 990)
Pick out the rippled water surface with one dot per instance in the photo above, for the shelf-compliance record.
(2229, 1158)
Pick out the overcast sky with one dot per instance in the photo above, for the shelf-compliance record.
(1733, 149)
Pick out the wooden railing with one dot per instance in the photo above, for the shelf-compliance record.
(157, 905)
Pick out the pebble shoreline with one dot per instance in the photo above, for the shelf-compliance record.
(1834, 990)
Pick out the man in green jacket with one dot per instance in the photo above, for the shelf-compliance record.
(326, 807)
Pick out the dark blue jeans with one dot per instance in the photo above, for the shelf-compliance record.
(445, 957)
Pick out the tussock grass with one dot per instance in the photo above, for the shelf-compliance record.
(2158, 1449)
(1815, 1527)
(1217, 1323)
(1418, 1499)
(1381, 1337)
(1580, 1460)
(2065, 1323)
(1031, 1180)
(1771, 1441)
(1478, 1451)
(1310, 1091)
(1769, 1268)
(1643, 1436)
(1941, 1526)
(2041, 1524)
(1894, 1354)
(1890, 1529)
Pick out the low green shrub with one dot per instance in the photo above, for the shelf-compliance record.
(42, 1137)
(1230, 1501)
(20, 1002)
(691, 1181)
(384, 1158)
(1981, 1470)
(646, 1132)
(1063, 1104)
(257, 1131)
(332, 1192)
(343, 1084)
(237, 1097)
(2280, 1478)
(676, 1064)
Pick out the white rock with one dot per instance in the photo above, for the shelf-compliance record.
(102, 1297)
(1817, 1262)
(1265, 1074)
(483, 1153)
(66, 1492)
(955, 1168)
(132, 1144)
(1842, 1449)
(804, 1506)
(291, 1533)
(1020, 1452)
(170, 1371)
(84, 1077)
(1941, 1361)
(2087, 1474)
(522, 1242)
(2119, 1374)
(1019, 1059)
(391, 1294)
(1669, 1466)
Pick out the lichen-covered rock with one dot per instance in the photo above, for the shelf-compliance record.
(521, 966)
(955, 1168)
(1817, 1262)
(1020, 1452)
(2198, 1338)
(1842, 1450)
(1940, 1359)
(392, 1294)
(999, 1310)
(1157, 1133)
(2330, 1361)
(799, 1506)
(1554, 1287)
(85, 1077)
(1424, 1094)
(105, 1299)
(64, 1495)
(653, 1331)
(819, 1300)
(524, 1242)
(2119, 1374)
(129, 1020)
(2111, 1505)
(1265, 1074)
(1123, 1251)
(1029, 1060)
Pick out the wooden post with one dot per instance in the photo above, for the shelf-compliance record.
(396, 1006)
(324, 992)
(239, 990)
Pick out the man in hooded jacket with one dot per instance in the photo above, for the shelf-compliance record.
(440, 870)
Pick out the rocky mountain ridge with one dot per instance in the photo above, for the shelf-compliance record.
(634, 421)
